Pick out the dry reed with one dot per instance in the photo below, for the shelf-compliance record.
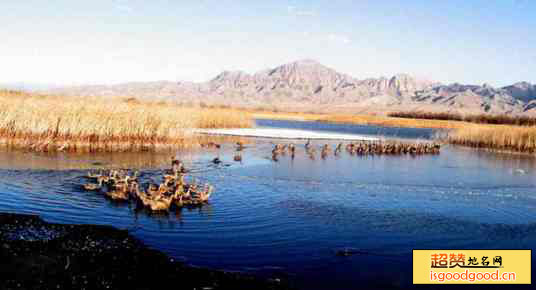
(50, 123)
(501, 137)
(475, 118)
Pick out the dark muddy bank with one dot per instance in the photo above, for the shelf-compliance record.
(40, 255)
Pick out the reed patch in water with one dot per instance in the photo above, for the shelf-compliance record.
(57, 123)
(502, 137)
(475, 118)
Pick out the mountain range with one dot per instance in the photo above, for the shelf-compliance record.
(307, 85)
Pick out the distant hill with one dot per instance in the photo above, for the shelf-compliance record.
(309, 85)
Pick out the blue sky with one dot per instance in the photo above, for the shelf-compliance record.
(111, 41)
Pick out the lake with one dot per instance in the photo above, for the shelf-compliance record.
(292, 216)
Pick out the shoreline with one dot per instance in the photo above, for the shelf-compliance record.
(38, 254)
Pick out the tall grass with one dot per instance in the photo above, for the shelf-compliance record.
(46, 123)
(508, 138)
(494, 132)
(478, 118)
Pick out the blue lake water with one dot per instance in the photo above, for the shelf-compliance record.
(367, 130)
(290, 217)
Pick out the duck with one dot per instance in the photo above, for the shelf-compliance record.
(94, 186)
(204, 195)
(172, 178)
(132, 189)
(311, 151)
(325, 151)
(113, 176)
(119, 193)
(152, 190)
(125, 180)
(436, 148)
(324, 154)
(134, 177)
(177, 166)
(187, 195)
(180, 180)
(140, 195)
(154, 203)
(291, 148)
(216, 160)
(94, 175)
(178, 200)
(161, 204)
(308, 144)
(240, 146)
(169, 177)
(179, 195)
(237, 158)
(278, 149)
(338, 149)
(163, 201)
(163, 189)
(194, 196)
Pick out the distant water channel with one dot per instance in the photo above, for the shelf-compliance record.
(289, 218)
(366, 130)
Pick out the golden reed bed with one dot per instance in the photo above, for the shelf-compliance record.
(498, 137)
(56, 123)
(495, 119)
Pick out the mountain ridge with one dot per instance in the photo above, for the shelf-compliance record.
(306, 84)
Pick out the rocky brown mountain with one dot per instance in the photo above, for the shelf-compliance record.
(309, 85)
(523, 91)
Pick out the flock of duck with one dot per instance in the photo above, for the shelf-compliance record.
(119, 185)
(360, 148)
(354, 148)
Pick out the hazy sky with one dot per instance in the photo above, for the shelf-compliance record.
(105, 41)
